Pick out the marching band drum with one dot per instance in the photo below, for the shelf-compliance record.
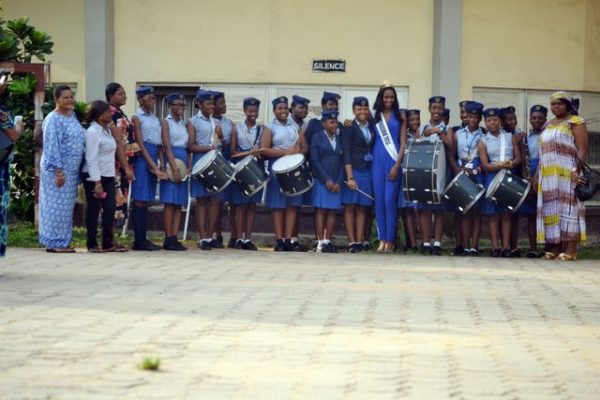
(464, 192)
(214, 171)
(424, 172)
(250, 176)
(508, 191)
(293, 174)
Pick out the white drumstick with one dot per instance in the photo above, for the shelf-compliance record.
(361, 192)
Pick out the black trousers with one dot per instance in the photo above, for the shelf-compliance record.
(94, 205)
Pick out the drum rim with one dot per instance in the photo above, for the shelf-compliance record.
(212, 154)
(312, 183)
(243, 162)
(289, 168)
(229, 180)
(522, 200)
(474, 201)
(258, 189)
(498, 178)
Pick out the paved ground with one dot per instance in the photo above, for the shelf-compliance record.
(231, 324)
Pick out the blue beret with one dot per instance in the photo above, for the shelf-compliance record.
(328, 96)
(172, 97)
(463, 103)
(360, 101)
(506, 110)
(474, 107)
(300, 100)
(218, 95)
(413, 112)
(251, 101)
(538, 108)
(437, 99)
(279, 100)
(205, 95)
(446, 112)
(491, 112)
(144, 90)
(329, 114)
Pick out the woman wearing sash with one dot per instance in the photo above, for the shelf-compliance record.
(466, 158)
(281, 138)
(498, 150)
(245, 137)
(388, 150)
(174, 193)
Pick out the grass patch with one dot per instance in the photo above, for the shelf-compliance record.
(149, 364)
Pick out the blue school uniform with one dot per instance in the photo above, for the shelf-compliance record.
(226, 129)
(283, 136)
(357, 144)
(143, 188)
(493, 146)
(327, 164)
(533, 145)
(204, 128)
(433, 139)
(176, 192)
(467, 154)
(246, 139)
(386, 191)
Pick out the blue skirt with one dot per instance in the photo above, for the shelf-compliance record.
(274, 198)
(324, 198)
(197, 190)
(489, 207)
(171, 192)
(527, 207)
(143, 187)
(365, 183)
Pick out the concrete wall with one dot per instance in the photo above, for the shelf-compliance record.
(64, 21)
(592, 46)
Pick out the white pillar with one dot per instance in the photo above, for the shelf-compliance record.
(99, 47)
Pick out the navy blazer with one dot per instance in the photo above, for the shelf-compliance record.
(327, 164)
(355, 147)
(315, 125)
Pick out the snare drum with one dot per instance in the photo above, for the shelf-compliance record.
(464, 192)
(250, 176)
(424, 172)
(214, 172)
(507, 190)
(293, 174)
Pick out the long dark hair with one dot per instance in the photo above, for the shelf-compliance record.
(111, 89)
(378, 106)
(95, 110)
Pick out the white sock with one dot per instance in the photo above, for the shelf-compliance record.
(326, 241)
(294, 239)
(246, 240)
(351, 243)
(436, 243)
(426, 244)
(366, 243)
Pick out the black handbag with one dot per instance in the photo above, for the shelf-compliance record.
(592, 183)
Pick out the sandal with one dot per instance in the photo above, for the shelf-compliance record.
(95, 249)
(549, 255)
(566, 257)
(115, 248)
(65, 250)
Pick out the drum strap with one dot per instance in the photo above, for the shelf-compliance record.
(386, 138)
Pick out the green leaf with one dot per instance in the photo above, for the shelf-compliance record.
(20, 27)
(22, 86)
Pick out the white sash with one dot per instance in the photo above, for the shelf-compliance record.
(502, 147)
(386, 138)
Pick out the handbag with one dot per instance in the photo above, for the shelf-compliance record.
(592, 183)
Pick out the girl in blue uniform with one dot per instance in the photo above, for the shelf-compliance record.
(531, 152)
(357, 142)
(498, 150)
(433, 131)
(408, 210)
(245, 137)
(465, 157)
(147, 132)
(328, 167)
(174, 193)
(204, 135)
(280, 138)
(388, 150)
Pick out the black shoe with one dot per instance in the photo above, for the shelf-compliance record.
(532, 254)
(359, 247)
(220, 240)
(515, 253)
(436, 251)
(169, 245)
(496, 253)
(216, 244)
(295, 246)
(279, 245)
(414, 249)
(180, 246)
(506, 253)
(474, 252)
(331, 248)
(353, 248)
(425, 249)
(249, 246)
(239, 244)
(145, 246)
(232, 243)
(366, 246)
(459, 251)
(204, 245)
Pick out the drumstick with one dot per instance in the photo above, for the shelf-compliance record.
(245, 153)
(361, 192)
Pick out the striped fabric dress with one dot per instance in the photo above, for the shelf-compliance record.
(560, 214)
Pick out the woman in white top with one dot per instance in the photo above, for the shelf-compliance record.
(99, 177)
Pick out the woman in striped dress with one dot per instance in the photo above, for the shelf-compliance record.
(560, 214)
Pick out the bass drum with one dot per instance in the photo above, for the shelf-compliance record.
(424, 172)
(508, 191)
(250, 176)
(293, 174)
(214, 172)
(464, 192)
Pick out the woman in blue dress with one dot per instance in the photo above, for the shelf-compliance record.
(498, 150)
(281, 138)
(62, 154)
(388, 150)
(174, 193)
(328, 167)
(245, 137)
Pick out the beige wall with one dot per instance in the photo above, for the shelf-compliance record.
(592, 46)
(270, 41)
(64, 21)
(534, 44)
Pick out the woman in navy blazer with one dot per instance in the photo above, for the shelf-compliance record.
(328, 166)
